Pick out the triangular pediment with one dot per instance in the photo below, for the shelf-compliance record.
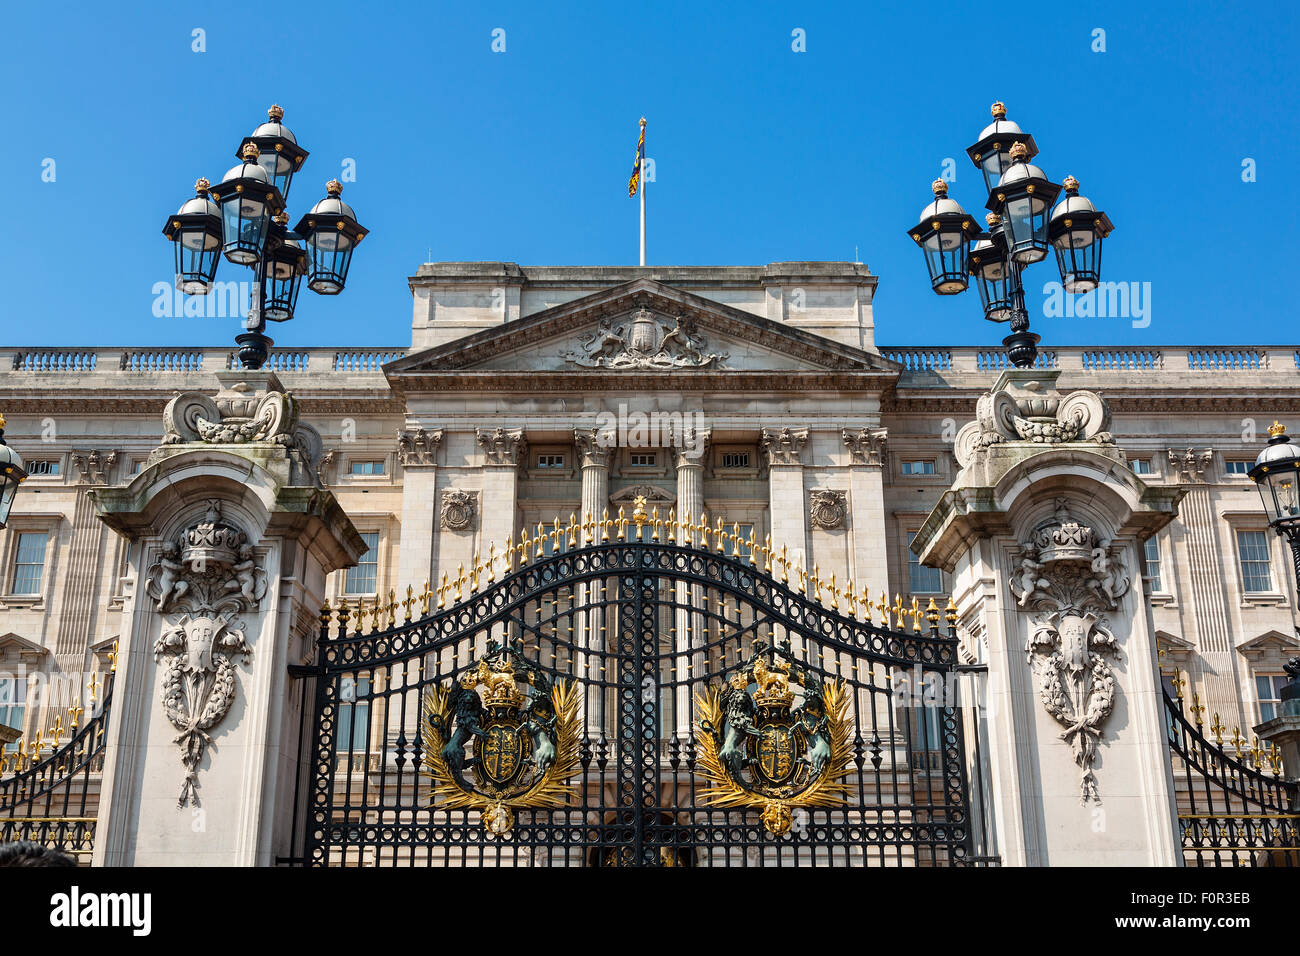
(642, 326)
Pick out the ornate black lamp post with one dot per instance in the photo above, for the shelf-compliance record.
(11, 475)
(244, 219)
(1275, 474)
(1023, 226)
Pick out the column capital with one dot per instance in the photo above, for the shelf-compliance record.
(693, 448)
(502, 446)
(418, 447)
(784, 446)
(866, 445)
(594, 446)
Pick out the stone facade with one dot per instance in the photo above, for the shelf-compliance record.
(757, 395)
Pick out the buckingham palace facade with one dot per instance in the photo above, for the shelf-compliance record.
(758, 396)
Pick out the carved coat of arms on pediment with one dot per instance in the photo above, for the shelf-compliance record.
(644, 340)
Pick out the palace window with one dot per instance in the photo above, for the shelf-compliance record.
(642, 459)
(1268, 690)
(920, 579)
(364, 578)
(373, 467)
(1237, 466)
(550, 461)
(1140, 466)
(13, 703)
(731, 550)
(1252, 550)
(43, 466)
(1151, 549)
(354, 712)
(735, 459)
(925, 467)
(29, 563)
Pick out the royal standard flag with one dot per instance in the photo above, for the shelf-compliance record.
(635, 182)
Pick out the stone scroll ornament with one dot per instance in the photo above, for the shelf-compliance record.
(761, 749)
(501, 737)
(203, 580)
(246, 416)
(1069, 576)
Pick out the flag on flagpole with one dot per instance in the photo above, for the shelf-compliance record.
(635, 182)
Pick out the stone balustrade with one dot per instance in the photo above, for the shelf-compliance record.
(80, 361)
(1265, 362)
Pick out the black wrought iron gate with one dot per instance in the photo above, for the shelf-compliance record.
(665, 701)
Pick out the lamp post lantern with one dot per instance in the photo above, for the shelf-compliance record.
(1023, 228)
(1275, 473)
(11, 475)
(243, 218)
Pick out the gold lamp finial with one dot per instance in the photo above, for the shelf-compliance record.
(334, 188)
(993, 219)
(282, 218)
(201, 186)
(940, 188)
(2, 422)
(275, 113)
(1277, 428)
(1019, 151)
(999, 110)
(250, 152)
(1071, 185)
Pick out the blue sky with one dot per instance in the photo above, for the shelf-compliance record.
(762, 153)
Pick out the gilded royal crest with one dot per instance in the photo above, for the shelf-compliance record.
(501, 737)
(774, 737)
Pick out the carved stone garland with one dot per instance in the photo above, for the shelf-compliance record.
(1069, 576)
(204, 579)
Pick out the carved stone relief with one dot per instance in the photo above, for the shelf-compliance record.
(1068, 577)
(205, 577)
(459, 509)
(644, 340)
(828, 509)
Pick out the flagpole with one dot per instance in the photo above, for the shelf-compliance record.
(641, 183)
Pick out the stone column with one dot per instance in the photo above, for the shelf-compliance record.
(417, 452)
(504, 450)
(869, 565)
(230, 538)
(1042, 531)
(594, 450)
(787, 505)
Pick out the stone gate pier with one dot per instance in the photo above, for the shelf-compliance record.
(230, 537)
(1042, 530)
